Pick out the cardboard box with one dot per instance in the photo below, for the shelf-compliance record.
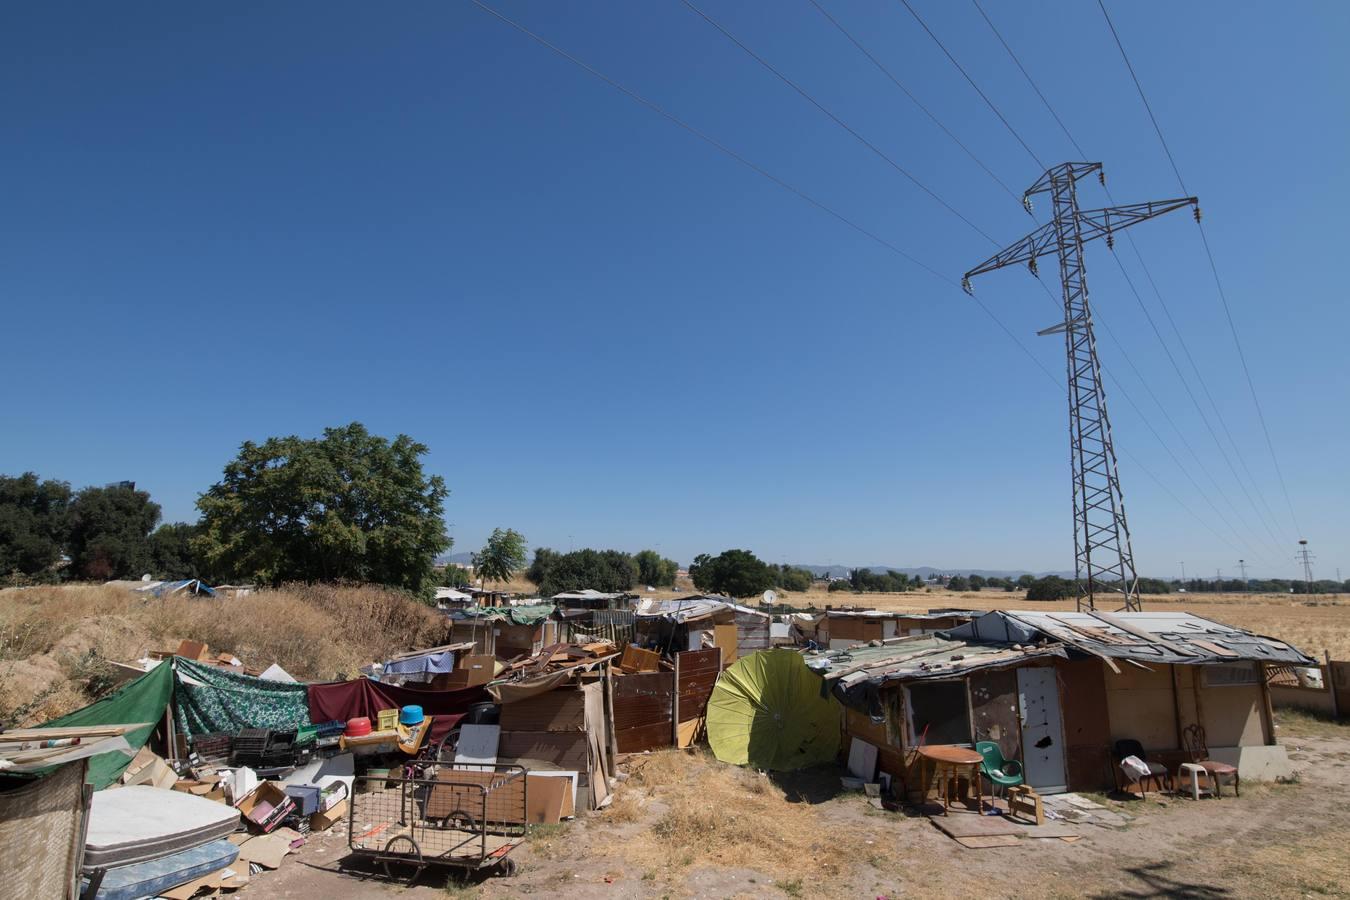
(322, 821)
(266, 806)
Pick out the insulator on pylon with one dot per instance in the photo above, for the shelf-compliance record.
(1101, 177)
(1031, 264)
(1197, 212)
(1110, 241)
(965, 285)
(1026, 202)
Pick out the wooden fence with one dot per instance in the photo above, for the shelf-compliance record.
(1332, 698)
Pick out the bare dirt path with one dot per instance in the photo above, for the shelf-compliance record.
(686, 826)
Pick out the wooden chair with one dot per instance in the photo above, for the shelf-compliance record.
(1157, 772)
(1195, 745)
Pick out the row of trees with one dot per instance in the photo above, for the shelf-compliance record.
(868, 582)
(602, 570)
(347, 506)
(739, 573)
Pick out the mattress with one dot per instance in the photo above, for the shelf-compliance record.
(134, 824)
(154, 877)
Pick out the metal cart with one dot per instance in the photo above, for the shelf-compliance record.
(467, 816)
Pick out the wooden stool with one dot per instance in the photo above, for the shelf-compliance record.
(1024, 801)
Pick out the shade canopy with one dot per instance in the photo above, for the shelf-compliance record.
(768, 711)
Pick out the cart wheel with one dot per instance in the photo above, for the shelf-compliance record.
(411, 851)
(447, 745)
(508, 868)
(461, 820)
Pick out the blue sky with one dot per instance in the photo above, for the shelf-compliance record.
(233, 221)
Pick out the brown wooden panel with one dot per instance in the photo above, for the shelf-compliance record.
(645, 737)
(566, 750)
(1087, 727)
(993, 706)
(562, 709)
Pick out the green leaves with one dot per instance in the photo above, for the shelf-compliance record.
(501, 557)
(348, 506)
(733, 573)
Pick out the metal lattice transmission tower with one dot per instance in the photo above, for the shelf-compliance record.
(1306, 559)
(1103, 558)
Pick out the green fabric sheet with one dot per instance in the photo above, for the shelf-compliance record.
(142, 700)
(767, 711)
(220, 700)
(516, 615)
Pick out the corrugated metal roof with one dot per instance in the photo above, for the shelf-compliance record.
(686, 608)
(1160, 637)
(916, 658)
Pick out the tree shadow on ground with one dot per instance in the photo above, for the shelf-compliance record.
(818, 784)
(1156, 880)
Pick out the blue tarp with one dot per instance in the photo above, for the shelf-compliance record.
(426, 664)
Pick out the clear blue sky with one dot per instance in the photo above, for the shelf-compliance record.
(224, 222)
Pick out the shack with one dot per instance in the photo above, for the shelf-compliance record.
(701, 621)
(1057, 690)
(593, 599)
(838, 628)
(506, 632)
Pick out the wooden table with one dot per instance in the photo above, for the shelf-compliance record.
(952, 760)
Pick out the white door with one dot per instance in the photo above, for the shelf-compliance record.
(1042, 731)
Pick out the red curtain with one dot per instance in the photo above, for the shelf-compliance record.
(343, 700)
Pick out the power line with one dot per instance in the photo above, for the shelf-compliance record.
(1180, 338)
(834, 118)
(713, 142)
(906, 91)
(987, 101)
(1218, 282)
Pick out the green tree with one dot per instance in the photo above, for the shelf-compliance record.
(958, 583)
(977, 582)
(456, 577)
(1051, 587)
(733, 573)
(1025, 581)
(654, 570)
(34, 524)
(793, 579)
(171, 553)
(602, 570)
(347, 506)
(109, 532)
(501, 557)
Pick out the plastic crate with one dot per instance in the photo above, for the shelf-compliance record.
(388, 720)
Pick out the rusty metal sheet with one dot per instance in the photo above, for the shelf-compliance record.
(993, 707)
(1087, 730)
(561, 709)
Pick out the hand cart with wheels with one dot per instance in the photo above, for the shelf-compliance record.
(467, 816)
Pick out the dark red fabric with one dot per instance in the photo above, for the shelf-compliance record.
(343, 700)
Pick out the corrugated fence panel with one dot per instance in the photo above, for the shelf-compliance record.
(698, 670)
(642, 711)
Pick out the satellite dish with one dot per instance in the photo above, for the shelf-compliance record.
(770, 598)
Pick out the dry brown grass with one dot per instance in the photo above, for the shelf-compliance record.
(52, 638)
(698, 811)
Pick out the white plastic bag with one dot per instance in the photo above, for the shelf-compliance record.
(1134, 767)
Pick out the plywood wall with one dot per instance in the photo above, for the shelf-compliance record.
(1140, 705)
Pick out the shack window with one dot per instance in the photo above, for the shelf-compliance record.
(1231, 674)
(942, 708)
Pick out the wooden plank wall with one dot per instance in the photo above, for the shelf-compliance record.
(642, 711)
(696, 672)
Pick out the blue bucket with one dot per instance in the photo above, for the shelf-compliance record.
(410, 715)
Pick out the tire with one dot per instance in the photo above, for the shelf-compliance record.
(508, 868)
(408, 847)
(462, 820)
(447, 744)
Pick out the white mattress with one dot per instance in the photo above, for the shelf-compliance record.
(134, 824)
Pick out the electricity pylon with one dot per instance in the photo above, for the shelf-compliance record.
(1103, 558)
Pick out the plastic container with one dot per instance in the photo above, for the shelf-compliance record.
(358, 727)
(305, 797)
(410, 715)
(387, 719)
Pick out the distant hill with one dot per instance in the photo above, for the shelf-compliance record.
(927, 572)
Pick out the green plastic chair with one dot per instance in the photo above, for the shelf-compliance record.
(1001, 772)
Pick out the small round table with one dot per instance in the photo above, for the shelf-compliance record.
(952, 760)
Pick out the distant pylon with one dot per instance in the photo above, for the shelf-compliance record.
(1242, 567)
(1306, 558)
(1103, 558)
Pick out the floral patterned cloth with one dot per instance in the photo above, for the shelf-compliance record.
(209, 699)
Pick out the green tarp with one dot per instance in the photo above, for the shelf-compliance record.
(209, 699)
(516, 615)
(142, 700)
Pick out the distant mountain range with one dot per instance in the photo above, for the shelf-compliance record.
(927, 571)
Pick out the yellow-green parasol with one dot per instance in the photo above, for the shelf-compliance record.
(767, 711)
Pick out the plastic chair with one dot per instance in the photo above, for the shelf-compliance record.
(1161, 778)
(1001, 772)
(1193, 742)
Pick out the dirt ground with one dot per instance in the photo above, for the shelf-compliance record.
(701, 829)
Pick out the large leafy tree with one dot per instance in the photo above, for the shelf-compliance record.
(602, 570)
(171, 553)
(33, 523)
(734, 573)
(109, 532)
(1051, 587)
(501, 557)
(655, 570)
(350, 505)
